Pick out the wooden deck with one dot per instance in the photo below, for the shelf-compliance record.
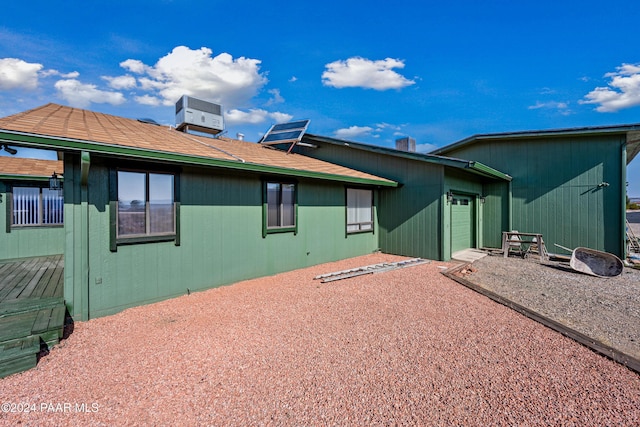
(32, 310)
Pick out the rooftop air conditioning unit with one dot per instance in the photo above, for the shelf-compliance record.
(196, 114)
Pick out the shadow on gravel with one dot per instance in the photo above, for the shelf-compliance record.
(66, 333)
(561, 267)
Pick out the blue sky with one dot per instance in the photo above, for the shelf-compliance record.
(368, 71)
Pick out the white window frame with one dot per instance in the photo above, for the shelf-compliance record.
(281, 206)
(359, 210)
(36, 210)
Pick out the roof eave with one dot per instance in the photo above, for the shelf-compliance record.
(596, 130)
(68, 144)
(482, 169)
(473, 167)
(22, 177)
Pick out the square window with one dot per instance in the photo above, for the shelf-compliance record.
(146, 204)
(36, 206)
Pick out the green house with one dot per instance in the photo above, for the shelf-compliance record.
(568, 184)
(151, 212)
(443, 204)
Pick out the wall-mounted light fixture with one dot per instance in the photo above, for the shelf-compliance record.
(603, 184)
(482, 199)
(54, 182)
(449, 197)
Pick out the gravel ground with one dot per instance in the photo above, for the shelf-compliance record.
(607, 310)
(406, 347)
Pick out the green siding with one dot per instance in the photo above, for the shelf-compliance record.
(221, 240)
(76, 264)
(410, 217)
(495, 213)
(26, 241)
(555, 187)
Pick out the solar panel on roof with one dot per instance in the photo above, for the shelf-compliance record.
(283, 136)
(286, 132)
(300, 124)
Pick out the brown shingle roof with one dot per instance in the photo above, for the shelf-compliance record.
(63, 122)
(29, 167)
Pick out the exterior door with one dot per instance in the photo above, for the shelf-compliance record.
(462, 222)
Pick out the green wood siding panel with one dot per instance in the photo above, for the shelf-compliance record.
(221, 240)
(555, 188)
(410, 217)
(26, 242)
(75, 241)
(495, 213)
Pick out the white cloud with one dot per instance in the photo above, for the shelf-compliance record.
(353, 132)
(148, 100)
(549, 105)
(279, 117)
(623, 90)
(121, 82)
(365, 73)
(71, 75)
(18, 74)
(386, 126)
(135, 66)
(625, 70)
(81, 95)
(293, 79)
(276, 97)
(254, 116)
(183, 71)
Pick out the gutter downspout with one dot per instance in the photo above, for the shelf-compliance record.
(623, 191)
(85, 163)
(510, 206)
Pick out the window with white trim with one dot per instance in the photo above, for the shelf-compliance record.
(146, 204)
(36, 206)
(281, 205)
(359, 210)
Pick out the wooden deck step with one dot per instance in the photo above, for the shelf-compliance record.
(18, 347)
(28, 304)
(17, 325)
(18, 364)
(49, 324)
(21, 334)
(18, 355)
(32, 310)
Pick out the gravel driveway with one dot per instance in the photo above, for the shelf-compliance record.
(607, 310)
(406, 347)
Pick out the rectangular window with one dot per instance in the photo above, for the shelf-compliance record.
(35, 206)
(146, 204)
(359, 210)
(280, 207)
